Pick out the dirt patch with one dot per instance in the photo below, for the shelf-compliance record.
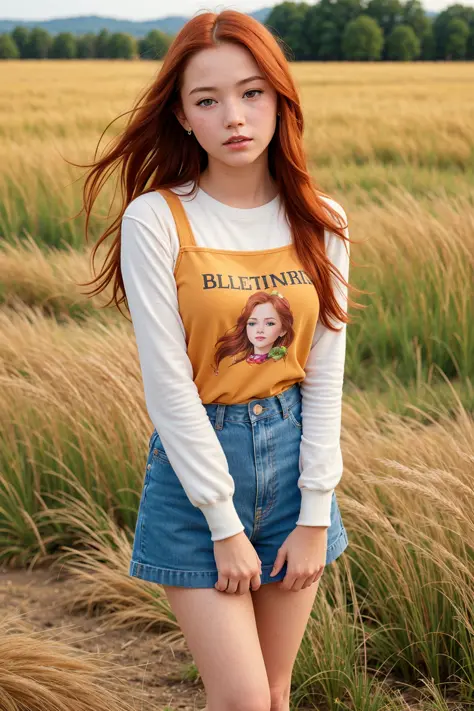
(153, 671)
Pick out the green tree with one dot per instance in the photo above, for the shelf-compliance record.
(64, 46)
(456, 40)
(428, 44)
(413, 14)
(39, 44)
(388, 13)
(329, 41)
(154, 45)
(288, 21)
(122, 46)
(20, 36)
(325, 27)
(442, 30)
(470, 44)
(362, 39)
(102, 44)
(8, 48)
(403, 45)
(87, 46)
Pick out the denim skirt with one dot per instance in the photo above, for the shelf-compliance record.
(172, 543)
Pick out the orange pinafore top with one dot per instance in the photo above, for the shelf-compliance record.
(249, 316)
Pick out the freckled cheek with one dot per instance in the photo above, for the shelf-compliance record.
(204, 127)
(266, 110)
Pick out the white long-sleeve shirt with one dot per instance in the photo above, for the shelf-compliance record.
(149, 249)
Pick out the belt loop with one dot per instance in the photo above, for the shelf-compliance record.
(283, 403)
(220, 417)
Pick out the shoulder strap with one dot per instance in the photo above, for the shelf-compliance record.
(185, 233)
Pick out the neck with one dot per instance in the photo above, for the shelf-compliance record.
(246, 187)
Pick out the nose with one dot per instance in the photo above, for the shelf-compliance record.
(233, 114)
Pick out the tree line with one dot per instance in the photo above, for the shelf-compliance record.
(331, 30)
(37, 43)
(358, 30)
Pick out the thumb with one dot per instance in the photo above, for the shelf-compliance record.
(279, 561)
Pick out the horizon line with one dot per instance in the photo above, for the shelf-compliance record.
(126, 19)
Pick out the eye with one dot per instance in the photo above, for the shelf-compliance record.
(270, 323)
(199, 103)
(251, 323)
(253, 91)
(250, 91)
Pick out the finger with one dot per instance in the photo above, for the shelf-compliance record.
(279, 561)
(222, 583)
(298, 584)
(309, 581)
(255, 582)
(232, 586)
(319, 573)
(243, 586)
(288, 581)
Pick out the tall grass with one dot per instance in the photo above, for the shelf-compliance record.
(40, 673)
(393, 624)
(76, 429)
(416, 262)
(393, 620)
(368, 127)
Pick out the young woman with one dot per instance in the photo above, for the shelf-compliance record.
(221, 222)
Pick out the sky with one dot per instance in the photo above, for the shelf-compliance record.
(146, 9)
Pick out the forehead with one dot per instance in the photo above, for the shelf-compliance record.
(220, 66)
(266, 309)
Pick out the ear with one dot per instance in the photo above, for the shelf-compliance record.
(178, 112)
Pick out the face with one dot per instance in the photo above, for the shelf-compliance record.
(264, 327)
(234, 102)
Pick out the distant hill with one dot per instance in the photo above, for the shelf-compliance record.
(93, 23)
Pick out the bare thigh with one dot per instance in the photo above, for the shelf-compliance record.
(221, 633)
(281, 617)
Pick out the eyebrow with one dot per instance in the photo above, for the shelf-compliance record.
(214, 88)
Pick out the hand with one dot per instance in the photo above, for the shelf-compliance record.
(238, 564)
(305, 548)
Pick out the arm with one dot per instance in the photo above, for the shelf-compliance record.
(172, 399)
(321, 462)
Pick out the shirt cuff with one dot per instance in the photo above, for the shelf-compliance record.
(315, 508)
(222, 519)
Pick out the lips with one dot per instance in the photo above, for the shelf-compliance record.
(237, 139)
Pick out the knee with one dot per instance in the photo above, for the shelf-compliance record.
(280, 697)
(261, 703)
(245, 702)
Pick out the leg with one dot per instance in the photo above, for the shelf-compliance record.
(281, 616)
(222, 636)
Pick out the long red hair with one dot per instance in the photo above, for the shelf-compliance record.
(236, 341)
(150, 153)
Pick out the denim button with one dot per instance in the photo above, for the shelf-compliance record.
(257, 409)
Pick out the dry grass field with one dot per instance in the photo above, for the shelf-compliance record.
(393, 624)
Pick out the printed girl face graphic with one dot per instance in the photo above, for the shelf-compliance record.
(264, 331)
(264, 327)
